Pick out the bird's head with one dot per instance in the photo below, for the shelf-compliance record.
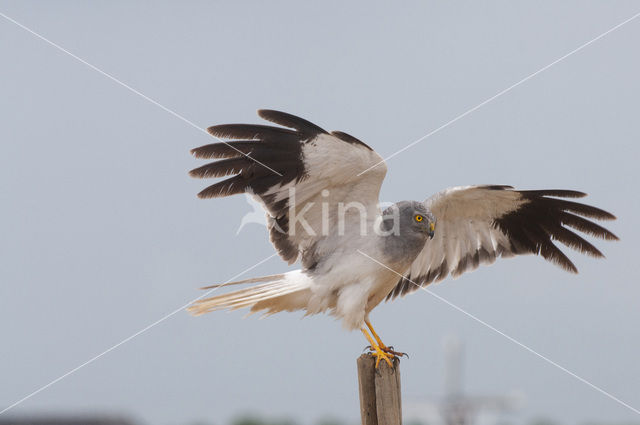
(412, 218)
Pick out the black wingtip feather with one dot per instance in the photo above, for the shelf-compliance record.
(350, 139)
(225, 150)
(291, 121)
(552, 253)
(226, 187)
(251, 132)
(581, 209)
(560, 193)
(540, 220)
(586, 226)
(497, 187)
(574, 241)
(222, 168)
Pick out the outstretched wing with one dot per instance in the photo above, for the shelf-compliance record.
(477, 224)
(293, 170)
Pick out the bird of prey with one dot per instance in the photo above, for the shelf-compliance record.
(320, 193)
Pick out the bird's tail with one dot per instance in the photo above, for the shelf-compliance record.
(283, 292)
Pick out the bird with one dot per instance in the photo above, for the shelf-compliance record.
(320, 190)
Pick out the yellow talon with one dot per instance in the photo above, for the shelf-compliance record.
(377, 351)
(388, 350)
(379, 354)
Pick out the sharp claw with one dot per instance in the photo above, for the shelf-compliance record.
(379, 350)
(391, 351)
(379, 353)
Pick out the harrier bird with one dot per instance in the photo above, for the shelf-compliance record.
(320, 193)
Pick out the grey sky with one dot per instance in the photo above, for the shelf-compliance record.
(102, 233)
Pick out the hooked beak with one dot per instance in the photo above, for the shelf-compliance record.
(432, 230)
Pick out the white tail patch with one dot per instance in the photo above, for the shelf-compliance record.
(284, 292)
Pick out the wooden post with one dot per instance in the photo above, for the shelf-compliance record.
(380, 401)
(367, 389)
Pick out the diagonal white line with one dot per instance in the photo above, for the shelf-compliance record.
(175, 114)
(180, 117)
(515, 341)
(131, 89)
(124, 341)
(480, 105)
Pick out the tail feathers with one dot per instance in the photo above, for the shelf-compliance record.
(269, 278)
(284, 292)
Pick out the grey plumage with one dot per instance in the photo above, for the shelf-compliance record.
(407, 240)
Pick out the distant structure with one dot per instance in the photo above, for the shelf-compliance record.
(456, 407)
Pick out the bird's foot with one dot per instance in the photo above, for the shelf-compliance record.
(379, 350)
(380, 354)
(390, 350)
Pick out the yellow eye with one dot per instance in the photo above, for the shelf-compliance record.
(419, 218)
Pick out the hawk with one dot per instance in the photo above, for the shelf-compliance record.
(320, 193)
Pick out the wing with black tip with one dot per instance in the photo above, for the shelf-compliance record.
(292, 169)
(477, 224)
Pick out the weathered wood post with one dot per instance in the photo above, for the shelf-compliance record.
(380, 401)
